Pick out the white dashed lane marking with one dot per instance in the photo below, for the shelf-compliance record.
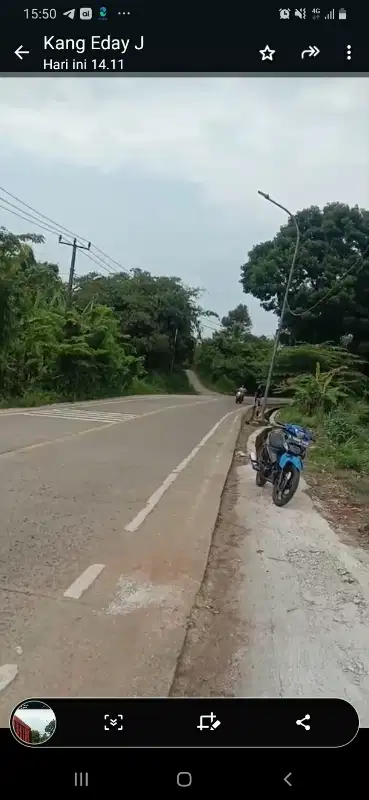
(82, 415)
(79, 586)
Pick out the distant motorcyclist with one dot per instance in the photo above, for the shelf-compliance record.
(240, 394)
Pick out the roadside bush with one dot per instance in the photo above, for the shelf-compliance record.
(340, 425)
(342, 438)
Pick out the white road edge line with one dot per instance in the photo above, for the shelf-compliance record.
(137, 521)
(84, 581)
(7, 674)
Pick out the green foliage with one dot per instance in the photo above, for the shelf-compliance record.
(121, 332)
(319, 392)
(303, 358)
(159, 315)
(237, 321)
(162, 383)
(233, 355)
(342, 435)
(333, 241)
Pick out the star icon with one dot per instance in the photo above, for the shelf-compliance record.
(267, 54)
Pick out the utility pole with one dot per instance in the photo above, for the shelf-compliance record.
(284, 304)
(174, 350)
(74, 247)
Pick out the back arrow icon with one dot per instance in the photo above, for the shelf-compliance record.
(286, 779)
(20, 52)
(312, 50)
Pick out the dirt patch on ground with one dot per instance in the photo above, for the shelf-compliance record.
(214, 630)
(344, 501)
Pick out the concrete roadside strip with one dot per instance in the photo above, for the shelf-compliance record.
(284, 606)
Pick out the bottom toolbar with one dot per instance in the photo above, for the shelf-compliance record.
(185, 722)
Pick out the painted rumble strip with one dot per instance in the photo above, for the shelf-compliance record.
(79, 586)
(81, 415)
(153, 501)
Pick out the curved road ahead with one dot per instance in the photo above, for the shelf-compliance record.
(107, 512)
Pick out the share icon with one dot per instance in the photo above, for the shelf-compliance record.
(303, 721)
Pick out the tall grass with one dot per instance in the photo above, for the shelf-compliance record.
(342, 436)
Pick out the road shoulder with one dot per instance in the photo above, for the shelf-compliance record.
(284, 606)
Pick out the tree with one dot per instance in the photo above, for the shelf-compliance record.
(160, 315)
(238, 320)
(119, 328)
(50, 728)
(233, 356)
(319, 392)
(329, 295)
(35, 736)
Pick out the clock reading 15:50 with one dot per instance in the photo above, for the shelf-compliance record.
(40, 13)
(104, 63)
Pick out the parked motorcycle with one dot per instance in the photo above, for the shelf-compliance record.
(280, 461)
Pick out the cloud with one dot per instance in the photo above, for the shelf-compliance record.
(164, 172)
(304, 140)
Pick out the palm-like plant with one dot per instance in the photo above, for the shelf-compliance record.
(316, 393)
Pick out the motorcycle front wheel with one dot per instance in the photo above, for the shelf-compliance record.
(286, 486)
(260, 480)
(260, 477)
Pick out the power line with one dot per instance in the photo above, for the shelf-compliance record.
(333, 288)
(99, 262)
(306, 237)
(21, 216)
(110, 270)
(56, 227)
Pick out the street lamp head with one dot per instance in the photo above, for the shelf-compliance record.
(263, 194)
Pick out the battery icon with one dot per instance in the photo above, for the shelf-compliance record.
(342, 13)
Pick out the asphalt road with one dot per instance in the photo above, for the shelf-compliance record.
(95, 581)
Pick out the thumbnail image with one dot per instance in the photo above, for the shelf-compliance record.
(33, 722)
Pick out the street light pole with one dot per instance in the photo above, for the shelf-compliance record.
(284, 304)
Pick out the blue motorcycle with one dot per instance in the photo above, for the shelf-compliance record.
(280, 460)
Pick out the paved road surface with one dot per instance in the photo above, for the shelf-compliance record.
(196, 383)
(95, 582)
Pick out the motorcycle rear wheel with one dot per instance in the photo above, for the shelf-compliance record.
(284, 483)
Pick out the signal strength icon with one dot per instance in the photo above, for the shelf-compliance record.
(330, 14)
(69, 13)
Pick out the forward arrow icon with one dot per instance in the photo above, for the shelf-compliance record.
(311, 52)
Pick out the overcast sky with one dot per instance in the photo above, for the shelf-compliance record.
(163, 173)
